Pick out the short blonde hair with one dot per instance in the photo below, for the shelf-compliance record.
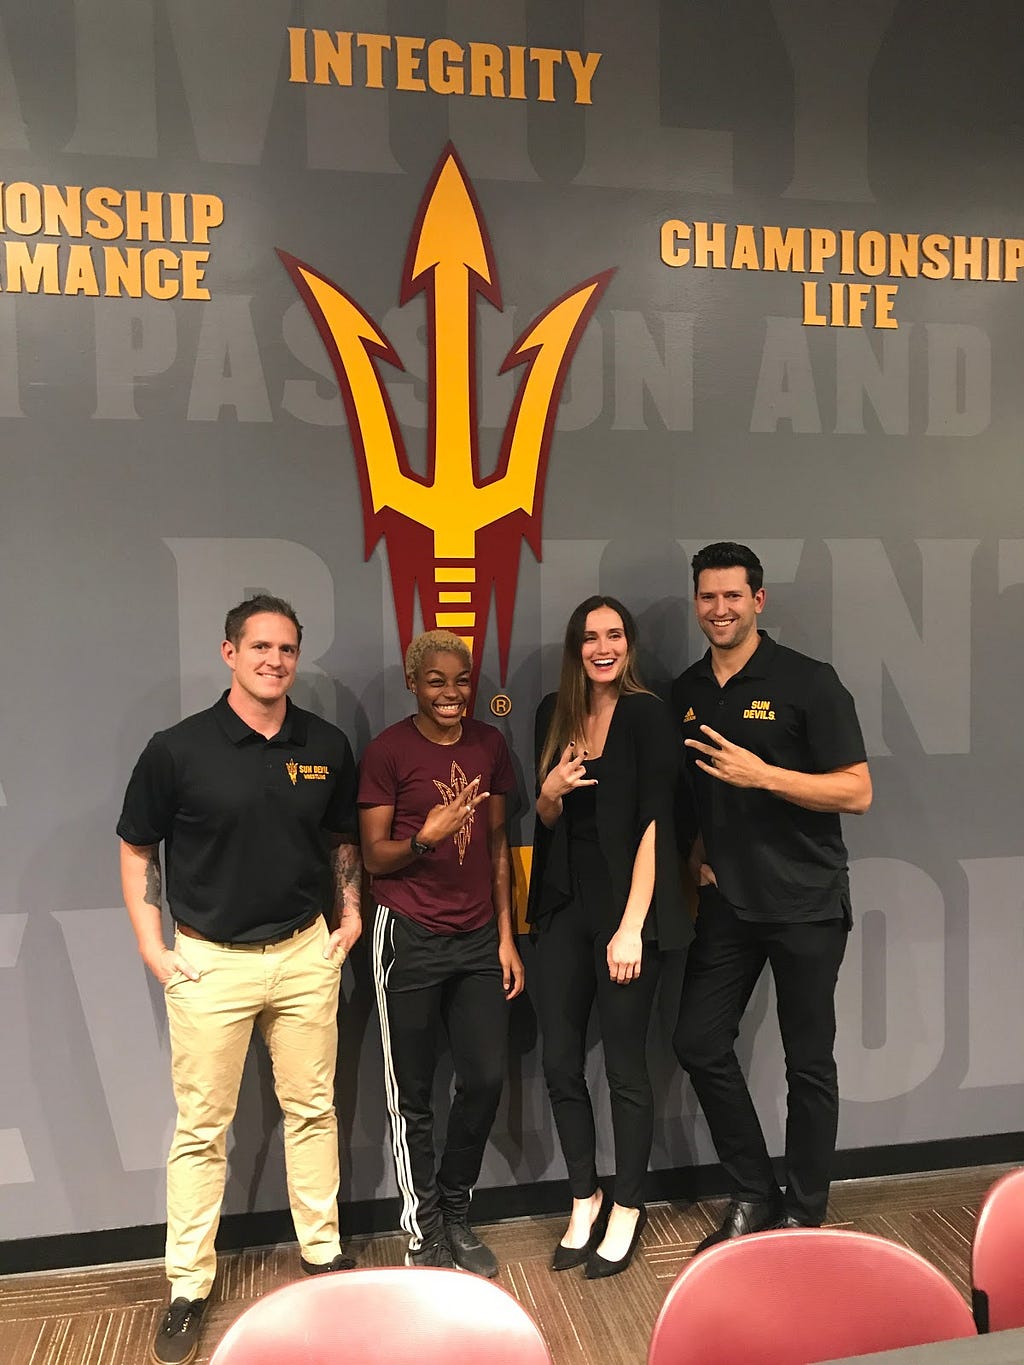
(435, 642)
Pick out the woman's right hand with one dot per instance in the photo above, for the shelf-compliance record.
(443, 820)
(567, 774)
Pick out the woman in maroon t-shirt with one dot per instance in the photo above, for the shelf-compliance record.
(432, 822)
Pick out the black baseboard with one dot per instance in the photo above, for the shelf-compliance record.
(687, 1183)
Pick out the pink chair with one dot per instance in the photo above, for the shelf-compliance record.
(801, 1295)
(414, 1316)
(997, 1256)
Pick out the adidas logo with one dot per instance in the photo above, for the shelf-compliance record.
(689, 715)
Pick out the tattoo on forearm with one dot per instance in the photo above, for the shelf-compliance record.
(154, 885)
(348, 876)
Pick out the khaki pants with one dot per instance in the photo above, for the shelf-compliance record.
(291, 992)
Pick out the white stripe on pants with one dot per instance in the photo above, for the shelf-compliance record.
(382, 928)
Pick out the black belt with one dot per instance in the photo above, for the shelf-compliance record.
(189, 932)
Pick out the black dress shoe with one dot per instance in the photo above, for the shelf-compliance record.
(790, 1220)
(742, 1216)
(599, 1269)
(567, 1258)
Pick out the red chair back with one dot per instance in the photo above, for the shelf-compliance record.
(404, 1316)
(997, 1256)
(801, 1295)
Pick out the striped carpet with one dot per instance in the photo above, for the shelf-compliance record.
(107, 1316)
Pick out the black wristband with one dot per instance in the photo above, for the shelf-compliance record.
(419, 847)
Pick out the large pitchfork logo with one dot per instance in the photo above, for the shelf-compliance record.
(452, 537)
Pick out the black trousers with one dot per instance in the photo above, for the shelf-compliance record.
(722, 968)
(424, 981)
(573, 975)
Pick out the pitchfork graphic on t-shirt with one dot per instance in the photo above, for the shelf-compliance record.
(451, 794)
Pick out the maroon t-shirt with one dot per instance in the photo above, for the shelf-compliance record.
(447, 891)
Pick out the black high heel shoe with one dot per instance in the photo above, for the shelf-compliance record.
(599, 1269)
(567, 1258)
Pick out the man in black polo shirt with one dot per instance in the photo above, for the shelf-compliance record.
(254, 802)
(775, 755)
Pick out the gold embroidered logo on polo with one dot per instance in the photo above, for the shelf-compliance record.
(309, 772)
(759, 710)
(449, 795)
(689, 715)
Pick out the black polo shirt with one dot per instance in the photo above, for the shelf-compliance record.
(243, 819)
(773, 860)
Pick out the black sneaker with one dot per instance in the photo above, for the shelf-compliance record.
(436, 1253)
(468, 1252)
(177, 1337)
(340, 1262)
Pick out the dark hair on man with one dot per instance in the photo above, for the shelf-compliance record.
(728, 554)
(234, 622)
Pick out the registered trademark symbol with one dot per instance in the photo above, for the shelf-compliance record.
(501, 704)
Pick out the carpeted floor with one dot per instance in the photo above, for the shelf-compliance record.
(107, 1316)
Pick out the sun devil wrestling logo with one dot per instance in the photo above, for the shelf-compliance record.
(452, 537)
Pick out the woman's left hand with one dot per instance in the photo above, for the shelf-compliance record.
(625, 952)
(513, 974)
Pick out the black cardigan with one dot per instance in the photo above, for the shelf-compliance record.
(641, 773)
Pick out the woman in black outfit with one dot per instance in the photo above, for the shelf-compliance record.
(609, 760)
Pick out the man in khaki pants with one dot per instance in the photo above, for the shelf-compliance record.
(254, 801)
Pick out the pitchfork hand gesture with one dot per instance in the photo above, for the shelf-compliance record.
(728, 762)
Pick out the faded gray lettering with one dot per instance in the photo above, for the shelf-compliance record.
(134, 341)
(348, 128)
(115, 82)
(406, 329)
(785, 384)
(569, 572)
(496, 337)
(213, 572)
(10, 397)
(132, 1055)
(626, 146)
(884, 381)
(831, 96)
(316, 401)
(583, 395)
(15, 1166)
(959, 379)
(229, 100)
(914, 943)
(995, 920)
(644, 370)
(492, 133)
(1011, 563)
(228, 371)
(12, 124)
(875, 636)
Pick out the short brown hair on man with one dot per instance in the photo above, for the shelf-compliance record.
(257, 605)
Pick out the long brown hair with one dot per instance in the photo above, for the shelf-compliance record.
(573, 699)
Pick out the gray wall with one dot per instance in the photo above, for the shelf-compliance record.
(163, 456)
